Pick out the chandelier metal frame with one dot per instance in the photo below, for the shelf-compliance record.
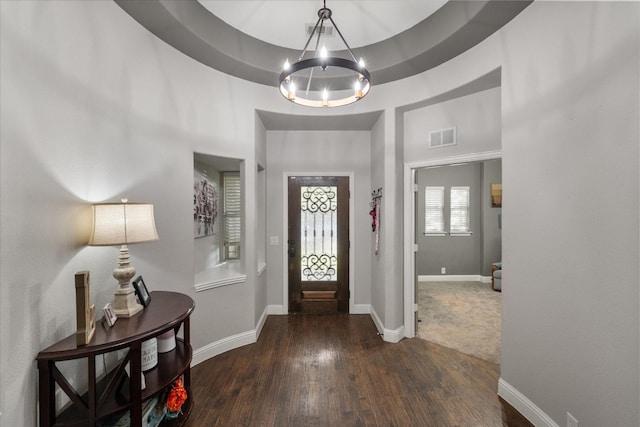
(288, 89)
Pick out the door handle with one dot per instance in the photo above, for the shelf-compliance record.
(292, 248)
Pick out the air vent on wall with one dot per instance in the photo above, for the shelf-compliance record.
(442, 137)
(326, 30)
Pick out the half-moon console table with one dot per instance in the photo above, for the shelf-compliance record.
(118, 392)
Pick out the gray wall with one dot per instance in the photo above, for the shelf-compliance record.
(378, 270)
(477, 119)
(570, 138)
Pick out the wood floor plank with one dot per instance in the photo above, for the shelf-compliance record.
(335, 370)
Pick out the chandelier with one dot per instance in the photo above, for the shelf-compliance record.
(323, 80)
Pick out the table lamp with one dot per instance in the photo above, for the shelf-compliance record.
(122, 224)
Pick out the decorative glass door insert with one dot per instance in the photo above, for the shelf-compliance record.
(319, 237)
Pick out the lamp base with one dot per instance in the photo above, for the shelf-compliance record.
(125, 304)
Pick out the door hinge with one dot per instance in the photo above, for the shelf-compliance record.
(415, 307)
(415, 188)
(415, 248)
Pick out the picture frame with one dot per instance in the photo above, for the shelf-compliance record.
(109, 315)
(141, 291)
(205, 205)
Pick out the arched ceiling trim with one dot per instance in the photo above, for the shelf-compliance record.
(194, 30)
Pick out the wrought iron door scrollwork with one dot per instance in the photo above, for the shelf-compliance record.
(319, 266)
(319, 199)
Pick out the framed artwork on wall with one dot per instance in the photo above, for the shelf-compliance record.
(205, 205)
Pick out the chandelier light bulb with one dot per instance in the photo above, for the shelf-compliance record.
(291, 94)
(358, 89)
(323, 52)
(325, 95)
(286, 64)
(361, 63)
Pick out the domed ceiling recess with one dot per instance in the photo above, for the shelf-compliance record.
(251, 39)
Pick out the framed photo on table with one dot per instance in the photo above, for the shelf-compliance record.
(141, 291)
(109, 315)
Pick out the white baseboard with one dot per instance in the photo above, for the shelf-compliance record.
(263, 318)
(377, 321)
(388, 335)
(361, 309)
(275, 309)
(218, 347)
(454, 278)
(394, 335)
(229, 343)
(523, 405)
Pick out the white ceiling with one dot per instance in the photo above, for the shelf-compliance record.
(361, 22)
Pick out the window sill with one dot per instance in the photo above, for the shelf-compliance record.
(224, 274)
(467, 234)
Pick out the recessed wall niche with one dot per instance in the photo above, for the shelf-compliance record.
(209, 231)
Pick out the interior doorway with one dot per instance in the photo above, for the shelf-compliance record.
(318, 244)
(411, 230)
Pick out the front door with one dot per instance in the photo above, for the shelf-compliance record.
(318, 244)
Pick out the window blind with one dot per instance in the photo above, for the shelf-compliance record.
(459, 210)
(232, 203)
(433, 210)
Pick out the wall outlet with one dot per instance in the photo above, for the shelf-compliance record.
(274, 240)
(443, 270)
(571, 420)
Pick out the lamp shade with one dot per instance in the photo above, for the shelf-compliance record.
(122, 224)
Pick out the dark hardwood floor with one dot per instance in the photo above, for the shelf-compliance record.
(334, 370)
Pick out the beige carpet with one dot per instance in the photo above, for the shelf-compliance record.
(465, 316)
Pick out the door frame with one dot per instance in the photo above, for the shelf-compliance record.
(410, 245)
(285, 228)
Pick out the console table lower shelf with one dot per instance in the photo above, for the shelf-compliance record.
(123, 397)
(115, 396)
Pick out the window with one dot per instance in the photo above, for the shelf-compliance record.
(434, 210)
(459, 222)
(232, 202)
(458, 210)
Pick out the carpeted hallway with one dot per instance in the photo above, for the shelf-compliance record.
(465, 316)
